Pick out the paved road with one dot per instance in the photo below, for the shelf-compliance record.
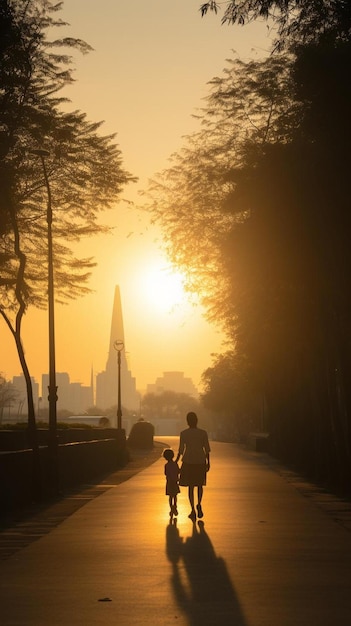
(265, 555)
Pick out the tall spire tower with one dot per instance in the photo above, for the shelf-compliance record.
(117, 331)
(106, 382)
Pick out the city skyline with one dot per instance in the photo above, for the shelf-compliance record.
(102, 391)
(75, 397)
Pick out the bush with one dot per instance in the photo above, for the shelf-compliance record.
(141, 435)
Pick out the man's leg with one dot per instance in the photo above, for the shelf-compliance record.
(200, 491)
(191, 497)
(191, 500)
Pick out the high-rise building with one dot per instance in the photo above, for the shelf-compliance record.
(173, 381)
(19, 404)
(73, 397)
(107, 381)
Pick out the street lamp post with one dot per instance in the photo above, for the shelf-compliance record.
(118, 346)
(52, 388)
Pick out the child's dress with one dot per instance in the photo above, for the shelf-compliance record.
(172, 474)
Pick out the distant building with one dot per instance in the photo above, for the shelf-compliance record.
(107, 381)
(19, 406)
(173, 381)
(73, 397)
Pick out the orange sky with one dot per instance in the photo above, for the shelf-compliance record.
(145, 79)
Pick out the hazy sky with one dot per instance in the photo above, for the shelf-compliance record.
(145, 79)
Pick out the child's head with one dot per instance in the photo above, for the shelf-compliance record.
(168, 454)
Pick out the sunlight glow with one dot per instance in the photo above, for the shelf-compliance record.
(163, 288)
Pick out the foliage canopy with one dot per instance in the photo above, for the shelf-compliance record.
(255, 209)
(296, 21)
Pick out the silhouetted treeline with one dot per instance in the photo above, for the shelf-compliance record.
(168, 404)
(256, 208)
(290, 265)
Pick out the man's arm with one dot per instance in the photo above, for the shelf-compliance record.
(178, 455)
(207, 452)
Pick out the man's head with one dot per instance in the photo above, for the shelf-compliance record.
(191, 418)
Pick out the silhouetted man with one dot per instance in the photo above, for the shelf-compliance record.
(194, 448)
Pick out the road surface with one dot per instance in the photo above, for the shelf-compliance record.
(263, 555)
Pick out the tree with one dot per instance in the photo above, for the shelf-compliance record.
(297, 21)
(231, 394)
(250, 106)
(84, 168)
(292, 309)
(261, 220)
(7, 395)
(168, 404)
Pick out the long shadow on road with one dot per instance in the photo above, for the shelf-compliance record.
(200, 581)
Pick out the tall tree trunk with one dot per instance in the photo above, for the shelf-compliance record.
(16, 332)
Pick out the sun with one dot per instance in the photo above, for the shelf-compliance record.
(163, 287)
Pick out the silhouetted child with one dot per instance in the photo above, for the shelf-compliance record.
(172, 477)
